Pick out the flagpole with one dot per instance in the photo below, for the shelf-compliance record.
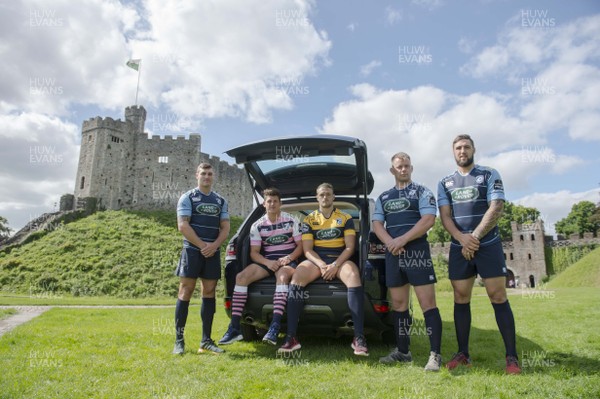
(138, 82)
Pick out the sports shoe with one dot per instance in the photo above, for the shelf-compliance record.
(359, 344)
(512, 365)
(232, 335)
(396, 356)
(271, 335)
(434, 363)
(457, 360)
(179, 347)
(210, 346)
(291, 344)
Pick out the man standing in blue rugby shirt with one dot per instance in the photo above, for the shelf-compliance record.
(402, 216)
(203, 219)
(471, 201)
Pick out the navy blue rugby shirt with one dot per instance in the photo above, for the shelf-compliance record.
(469, 197)
(401, 209)
(205, 211)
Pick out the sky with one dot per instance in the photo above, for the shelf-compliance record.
(521, 77)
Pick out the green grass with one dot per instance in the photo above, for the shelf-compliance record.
(4, 313)
(125, 353)
(583, 273)
(122, 254)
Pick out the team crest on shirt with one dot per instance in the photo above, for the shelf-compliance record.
(448, 184)
(338, 221)
(412, 194)
(479, 179)
(304, 228)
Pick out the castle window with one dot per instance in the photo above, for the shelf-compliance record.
(90, 137)
(115, 139)
(529, 256)
(82, 182)
(505, 256)
(522, 239)
(163, 159)
(511, 256)
(533, 237)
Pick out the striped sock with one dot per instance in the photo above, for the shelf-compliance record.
(240, 295)
(279, 302)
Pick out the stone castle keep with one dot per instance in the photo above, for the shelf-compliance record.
(121, 168)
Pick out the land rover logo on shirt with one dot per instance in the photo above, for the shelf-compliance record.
(276, 240)
(397, 205)
(328, 234)
(208, 209)
(465, 194)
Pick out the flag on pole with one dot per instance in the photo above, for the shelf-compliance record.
(134, 64)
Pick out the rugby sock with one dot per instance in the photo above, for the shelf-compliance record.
(462, 323)
(506, 324)
(402, 323)
(356, 302)
(181, 314)
(279, 302)
(433, 323)
(240, 295)
(207, 313)
(295, 306)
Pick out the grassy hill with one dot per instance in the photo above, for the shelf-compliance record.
(584, 273)
(114, 253)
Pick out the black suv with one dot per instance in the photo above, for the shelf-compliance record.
(296, 166)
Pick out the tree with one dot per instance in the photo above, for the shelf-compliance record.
(4, 229)
(515, 213)
(438, 233)
(579, 220)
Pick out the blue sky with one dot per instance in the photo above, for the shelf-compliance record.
(522, 77)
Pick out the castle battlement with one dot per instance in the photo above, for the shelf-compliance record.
(103, 123)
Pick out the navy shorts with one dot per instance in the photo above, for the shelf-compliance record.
(293, 264)
(193, 264)
(488, 262)
(413, 266)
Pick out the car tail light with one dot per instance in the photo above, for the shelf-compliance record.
(230, 253)
(381, 308)
(227, 304)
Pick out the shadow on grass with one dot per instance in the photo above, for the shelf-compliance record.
(486, 347)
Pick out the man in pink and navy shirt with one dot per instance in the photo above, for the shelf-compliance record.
(275, 245)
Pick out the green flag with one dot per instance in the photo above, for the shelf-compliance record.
(134, 64)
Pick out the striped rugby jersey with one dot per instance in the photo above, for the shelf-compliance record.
(328, 234)
(401, 209)
(469, 197)
(276, 239)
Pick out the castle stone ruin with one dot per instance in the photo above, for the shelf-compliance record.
(121, 168)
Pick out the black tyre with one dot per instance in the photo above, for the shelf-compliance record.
(249, 332)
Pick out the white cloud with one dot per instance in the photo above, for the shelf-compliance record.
(367, 69)
(466, 45)
(351, 27)
(199, 59)
(556, 205)
(393, 15)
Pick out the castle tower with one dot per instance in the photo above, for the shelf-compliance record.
(137, 116)
(526, 257)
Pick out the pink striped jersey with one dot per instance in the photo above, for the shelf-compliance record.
(276, 239)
